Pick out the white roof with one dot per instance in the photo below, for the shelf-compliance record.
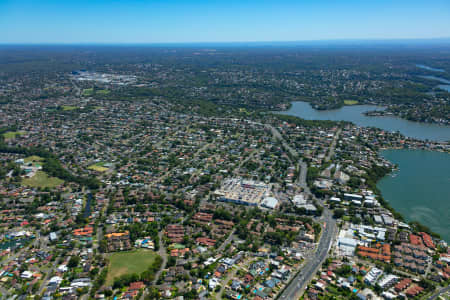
(26, 274)
(270, 202)
(55, 279)
(348, 242)
(299, 199)
(335, 199)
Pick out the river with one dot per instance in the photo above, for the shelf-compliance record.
(429, 68)
(420, 190)
(87, 209)
(355, 114)
(445, 86)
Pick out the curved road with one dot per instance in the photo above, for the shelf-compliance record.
(438, 293)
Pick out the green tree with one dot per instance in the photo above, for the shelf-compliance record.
(73, 262)
(338, 213)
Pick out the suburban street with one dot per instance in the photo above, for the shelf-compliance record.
(333, 145)
(163, 253)
(227, 241)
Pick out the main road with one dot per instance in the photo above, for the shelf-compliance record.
(295, 288)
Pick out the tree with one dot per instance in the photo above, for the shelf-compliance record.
(388, 269)
(171, 261)
(73, 262)
(103, 245)
(338, 213)
(153, 294)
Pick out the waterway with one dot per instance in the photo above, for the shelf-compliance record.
(355, 114)
(429, 68)
(87, 210)
(445, 86)
(420, 190)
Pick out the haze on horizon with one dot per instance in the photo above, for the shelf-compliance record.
(176, 21)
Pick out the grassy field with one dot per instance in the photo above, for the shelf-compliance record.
(91, 92)
(33, 158)
(136, 261)
(68, 107)
(350, 102)
(12, 134)
(41, 179)
(88, 92)
(98, 167)
(102, 92)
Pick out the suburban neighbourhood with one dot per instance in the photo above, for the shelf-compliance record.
(152, 198)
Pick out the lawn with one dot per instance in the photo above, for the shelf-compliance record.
(41, 179)
(88, 92)
(33, 158)
(98, 167)
(68, 107)
(102, 92)
(12, 134)
(91, 92)
(350, 102)
(136, 261)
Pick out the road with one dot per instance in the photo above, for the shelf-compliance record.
(333, 145)
(78, 91)
(163, 253)
(278, 136)
(236, 170)
(5, 292)
(302, 176)
(303, 166)
(439, 292)
(47, 275)
(39, 243)
(169, 172)
(231, 275)
(297, 285)
(226, 242)
(299, 282)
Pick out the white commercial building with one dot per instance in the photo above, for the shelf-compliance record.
(269, 202)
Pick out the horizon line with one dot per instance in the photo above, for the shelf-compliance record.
(343, 40)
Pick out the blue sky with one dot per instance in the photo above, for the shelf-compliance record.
(166, 21)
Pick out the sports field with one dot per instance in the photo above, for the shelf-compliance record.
(92, 92)
(88, 92)
(33, 158)
(350, 102)
(102, 92)
(68, 107)
(13, 134)
(98, 167)
(136, 261)
(42, 180)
